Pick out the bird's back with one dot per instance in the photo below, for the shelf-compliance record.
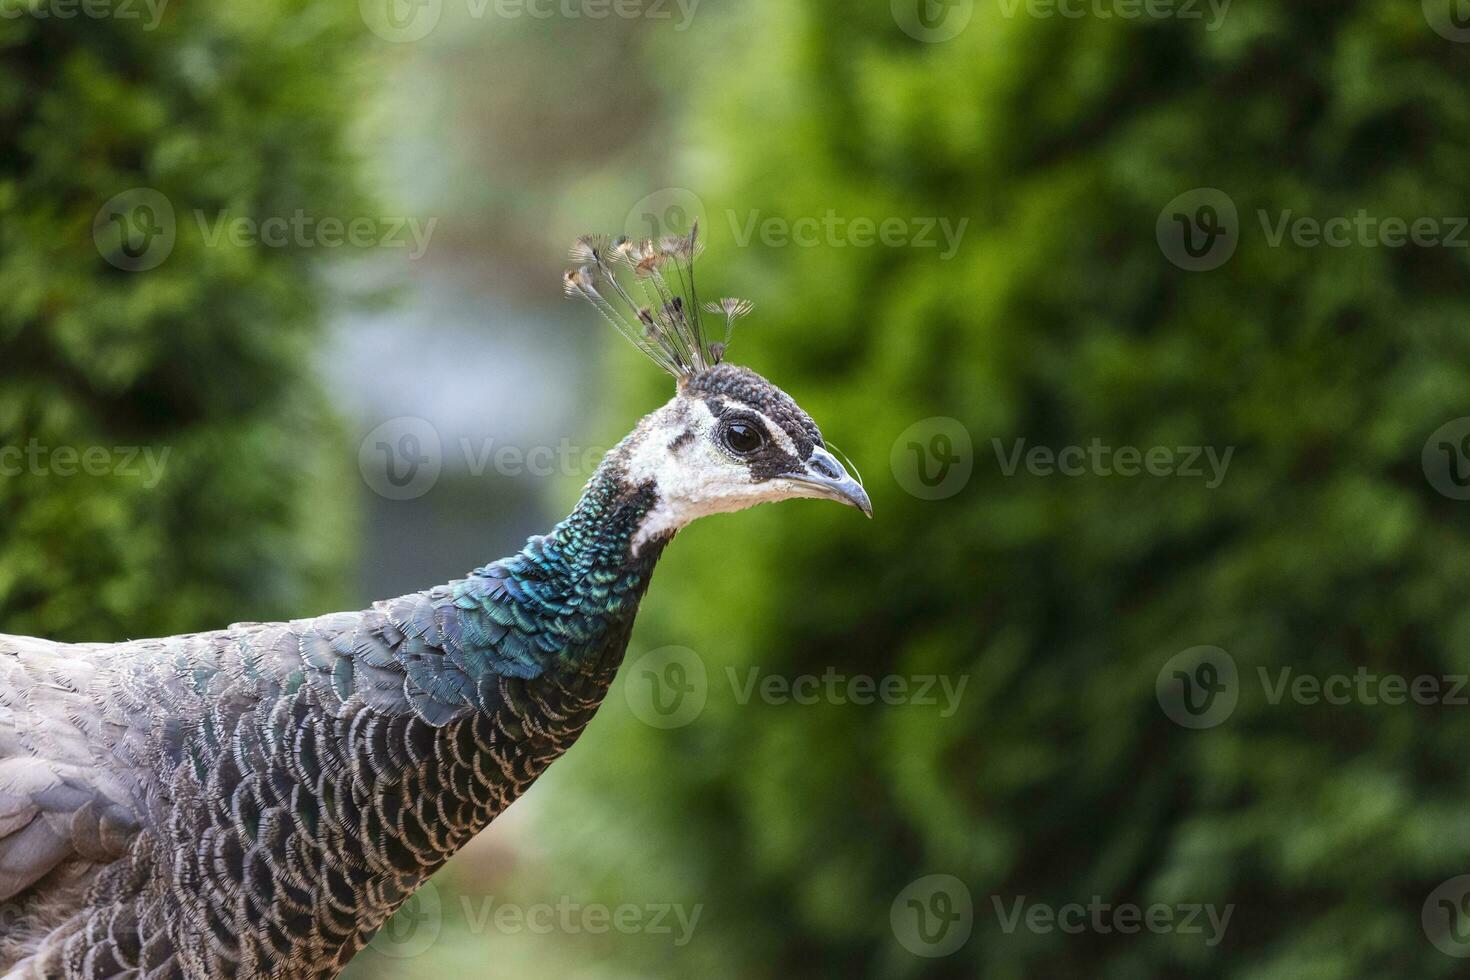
(258, 800)
(136, 780)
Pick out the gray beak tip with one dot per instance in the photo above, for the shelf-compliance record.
(827, 474)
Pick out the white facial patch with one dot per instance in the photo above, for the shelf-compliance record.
(694, 478)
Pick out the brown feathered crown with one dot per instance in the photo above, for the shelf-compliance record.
(660, 314)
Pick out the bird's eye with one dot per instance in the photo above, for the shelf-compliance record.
(743, 438)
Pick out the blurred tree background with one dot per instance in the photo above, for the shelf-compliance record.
(1059, 321)
(196, 375)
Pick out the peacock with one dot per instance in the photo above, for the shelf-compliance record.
(258, 800)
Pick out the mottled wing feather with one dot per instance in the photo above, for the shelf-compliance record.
(60, 799)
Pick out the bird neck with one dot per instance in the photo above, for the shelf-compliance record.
(600, 532)
(582, 582)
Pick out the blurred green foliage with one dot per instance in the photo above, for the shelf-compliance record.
(195, 374)
(1061, 598)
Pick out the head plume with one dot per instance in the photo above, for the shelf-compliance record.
(660, 313)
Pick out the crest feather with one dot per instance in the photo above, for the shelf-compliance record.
(662, 319)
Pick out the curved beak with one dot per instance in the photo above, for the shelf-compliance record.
(829, 479)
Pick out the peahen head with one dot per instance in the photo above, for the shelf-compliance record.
(728, 439)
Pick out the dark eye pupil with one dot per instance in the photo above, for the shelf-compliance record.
(742, 437)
